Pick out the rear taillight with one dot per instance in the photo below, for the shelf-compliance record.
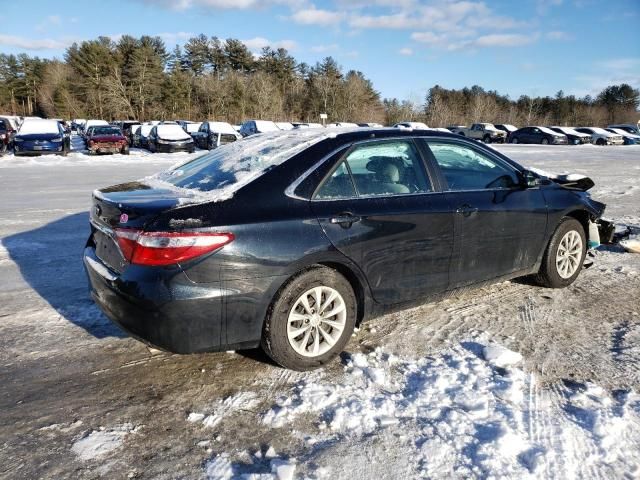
(167, 248)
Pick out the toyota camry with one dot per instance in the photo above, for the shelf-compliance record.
(288, 240)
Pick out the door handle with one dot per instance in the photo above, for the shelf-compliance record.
(345, 219)
(466, 210)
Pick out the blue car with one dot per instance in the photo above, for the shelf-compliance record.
(629, 138)
(37, 137)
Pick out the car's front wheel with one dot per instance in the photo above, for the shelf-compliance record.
(311, 320)
(514, 140)
(545, 141)
(564, 256)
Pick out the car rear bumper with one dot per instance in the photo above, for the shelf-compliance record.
(158, 306)
(164, 308)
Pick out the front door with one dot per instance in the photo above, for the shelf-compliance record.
(379, 209)
(499, 223)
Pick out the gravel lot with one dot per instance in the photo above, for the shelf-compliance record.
(79, 399)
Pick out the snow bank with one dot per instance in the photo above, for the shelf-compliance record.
(458, 416)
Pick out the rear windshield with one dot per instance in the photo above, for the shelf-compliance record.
(220, 173)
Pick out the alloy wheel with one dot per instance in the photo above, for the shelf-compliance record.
(316, 321)
(569, 254)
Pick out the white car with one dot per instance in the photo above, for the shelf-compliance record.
(629, 138)
(601, 137)
(573, 136)
(284, 125)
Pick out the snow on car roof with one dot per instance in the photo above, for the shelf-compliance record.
(266, 125)
(145, 129)
(547, 130)
(237, 163)
(222, 127)
(193, 126)
(30, 127)
(571, 131)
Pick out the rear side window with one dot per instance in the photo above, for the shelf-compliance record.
(467, 169)
(377, 169)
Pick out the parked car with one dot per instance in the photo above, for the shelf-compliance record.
(170, 138)
(505, 127)
(307, 125)
(7, 130)
(126, 126)
(628, 138)
(628, 127)
(41, 136)
(91, 123)
(290, 239)
(486, 132)
(251, 127)
(141, 136)
(107, 139)
(415, 125)
(370, 125)
(211, 135)
(573, 136)
(601, 137)
(129, 132)
(284, 125)
(12, 121)
(192, 127)
(77, 124)
(542, 135)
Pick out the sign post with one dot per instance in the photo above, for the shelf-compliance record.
(323, 117)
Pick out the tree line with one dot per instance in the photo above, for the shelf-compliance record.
(210, 78)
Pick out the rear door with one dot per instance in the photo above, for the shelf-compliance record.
(380, 208)
(499, 223)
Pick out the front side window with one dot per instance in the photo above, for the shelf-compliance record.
(377, 169)
(467, 169)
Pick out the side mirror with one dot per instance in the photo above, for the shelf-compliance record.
(530, 179)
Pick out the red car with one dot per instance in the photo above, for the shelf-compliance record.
(107, 139)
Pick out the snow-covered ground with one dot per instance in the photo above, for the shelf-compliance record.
(508, 381)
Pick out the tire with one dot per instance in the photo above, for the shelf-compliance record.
(279, 323)
(545, 141)
(600, 142)
(514, 140)
(551, 274)
(125, 151)
(486, 139)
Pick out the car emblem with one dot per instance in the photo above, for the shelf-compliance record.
(124, 218)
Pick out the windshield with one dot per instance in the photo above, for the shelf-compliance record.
(30, 127)
(547, 130)
(106, 131)
(145, 129)
(193, 127)
(171, 132)
(570, 131)
(600, 131)
(265, 126)
(217, 175)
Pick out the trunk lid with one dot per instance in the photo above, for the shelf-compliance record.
(129, 205)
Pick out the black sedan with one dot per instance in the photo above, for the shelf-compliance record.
(542, 135)
(170, 138)
(573, 136)
(288, 240)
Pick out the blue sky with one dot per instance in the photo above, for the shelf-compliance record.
(405, 46)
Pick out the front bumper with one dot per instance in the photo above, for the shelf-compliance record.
(31, 148)
(171, 147)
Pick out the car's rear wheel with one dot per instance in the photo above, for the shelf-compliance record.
(564, 256)
(486, 139)
(311, 320)
(514, 140)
